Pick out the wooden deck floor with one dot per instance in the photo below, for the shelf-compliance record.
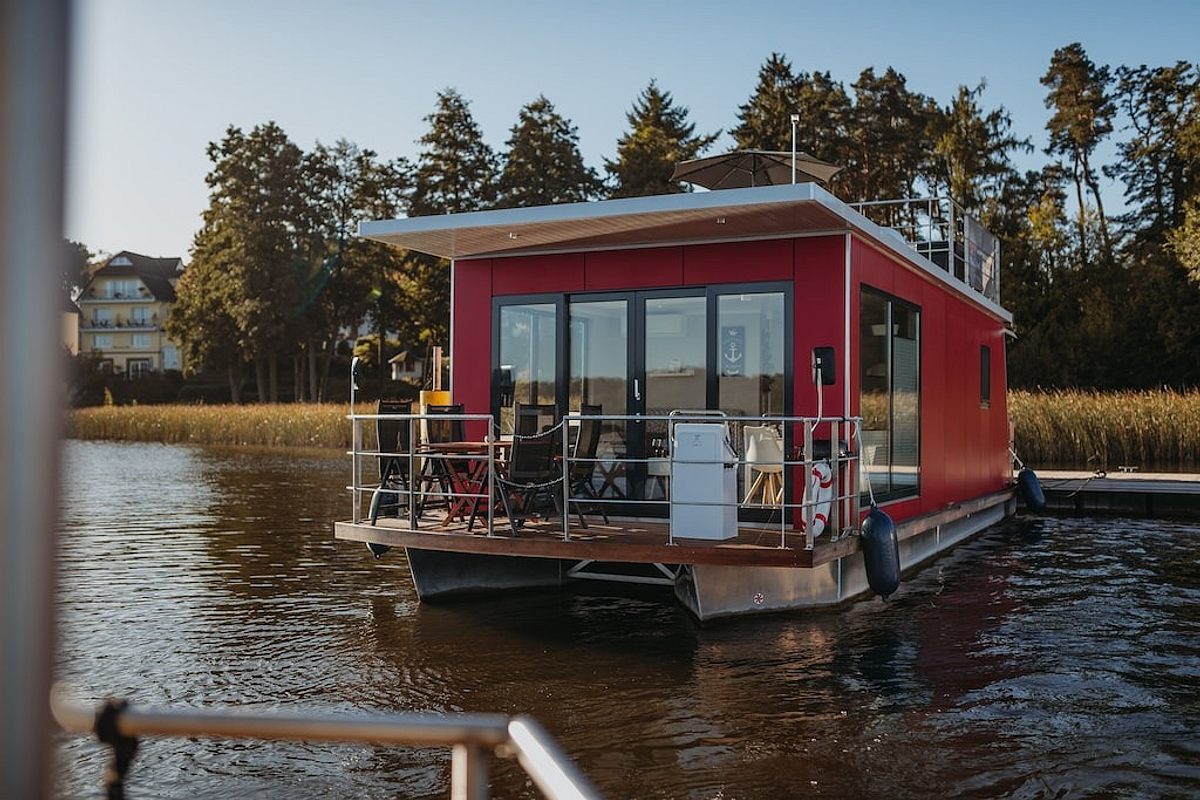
(640, 541)
(624, 540)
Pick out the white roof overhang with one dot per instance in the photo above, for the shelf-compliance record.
(767, 212)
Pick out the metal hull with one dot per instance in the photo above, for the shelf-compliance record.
(709, 591)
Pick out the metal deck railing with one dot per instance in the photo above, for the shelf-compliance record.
(805, 442)
(472, 738)
(942, 231)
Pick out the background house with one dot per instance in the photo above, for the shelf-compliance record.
(70, 326)
(122, 311)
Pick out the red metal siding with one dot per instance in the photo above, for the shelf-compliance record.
(471, 359)
(537, 274)
(817, 318)
(737, 262)
(618, 270)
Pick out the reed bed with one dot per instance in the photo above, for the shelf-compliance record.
(291, 425)
(1155, 430)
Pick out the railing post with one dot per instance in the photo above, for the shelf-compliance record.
(413, 478)
(809, 508)
(468, 772)
(355, 467)
(566, 483)
(491, 475)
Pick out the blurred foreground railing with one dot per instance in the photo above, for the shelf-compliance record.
(470, 737)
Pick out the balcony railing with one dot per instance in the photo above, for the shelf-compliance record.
(122, 324)
(802, 447)
(941, 231)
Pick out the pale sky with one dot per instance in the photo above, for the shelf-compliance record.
(154, 82)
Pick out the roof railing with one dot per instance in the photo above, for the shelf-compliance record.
(470, 737)
(943, 232)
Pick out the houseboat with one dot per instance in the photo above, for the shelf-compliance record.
(715, 386)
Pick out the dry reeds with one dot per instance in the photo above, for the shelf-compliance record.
(292, 425)
(1154, 430)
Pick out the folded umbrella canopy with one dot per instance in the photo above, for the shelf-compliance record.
(742, 168)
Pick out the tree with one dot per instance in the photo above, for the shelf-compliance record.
(1162, 107)
(201, 318)
(346, 185)
(257, 217)
(543, 164)
(889, 130)
(75, 265)
(456, 170)
(973, 149)
(659, 137)
(1083, 114)
(823, 108)
(765, 120)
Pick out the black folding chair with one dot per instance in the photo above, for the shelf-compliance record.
(583, 464)
(532, 473)
(393, 437)
(435, 472)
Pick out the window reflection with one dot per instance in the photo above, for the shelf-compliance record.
(528, 361)
(889, 394)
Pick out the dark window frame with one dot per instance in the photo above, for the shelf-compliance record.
(891, 300)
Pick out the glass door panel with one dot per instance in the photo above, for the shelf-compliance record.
(673, 376)
(599, 358)
(750, 365)
(528, 358)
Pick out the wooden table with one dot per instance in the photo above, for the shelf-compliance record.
(468, 476)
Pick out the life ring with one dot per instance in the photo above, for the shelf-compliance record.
(820, 494)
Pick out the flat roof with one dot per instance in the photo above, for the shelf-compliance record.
(766, 212)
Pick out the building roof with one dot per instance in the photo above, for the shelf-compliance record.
(156, 273)
(767, 212)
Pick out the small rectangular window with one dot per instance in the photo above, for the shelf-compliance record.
(985, 376)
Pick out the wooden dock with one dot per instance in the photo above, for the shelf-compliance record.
(1148, 494)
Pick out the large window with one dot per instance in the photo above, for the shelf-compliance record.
(528, 358)
(889, 398)
(750, 339)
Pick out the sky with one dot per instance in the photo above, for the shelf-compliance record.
(154, 82)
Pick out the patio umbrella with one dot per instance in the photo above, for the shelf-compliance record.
(742, 168)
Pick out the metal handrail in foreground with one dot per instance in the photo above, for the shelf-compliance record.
(470, 737)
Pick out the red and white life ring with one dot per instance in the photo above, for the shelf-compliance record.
(820, 494)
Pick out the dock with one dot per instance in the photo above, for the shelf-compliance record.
(1142, 494)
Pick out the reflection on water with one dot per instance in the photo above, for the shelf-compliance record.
(1047, 657)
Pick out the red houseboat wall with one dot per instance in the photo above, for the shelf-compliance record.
(963, 444)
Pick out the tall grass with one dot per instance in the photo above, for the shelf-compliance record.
(295, 425)
(1155, 430)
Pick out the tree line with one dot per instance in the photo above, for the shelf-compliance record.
(1112, 301)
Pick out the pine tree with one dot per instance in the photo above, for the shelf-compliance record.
(1083, 114)
(456, 170)
(972, 149)
(659, 137)
(543, 164)
(765, 121)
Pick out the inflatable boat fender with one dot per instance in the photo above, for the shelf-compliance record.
(881, 553)
(1030, 489)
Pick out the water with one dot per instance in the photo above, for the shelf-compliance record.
(1046, 658)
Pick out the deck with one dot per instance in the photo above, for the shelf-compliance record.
(640, 541)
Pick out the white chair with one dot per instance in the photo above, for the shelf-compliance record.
(764, 456)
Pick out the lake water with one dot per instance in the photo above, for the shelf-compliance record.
(1046, 658)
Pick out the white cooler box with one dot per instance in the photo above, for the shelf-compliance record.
(703, 471)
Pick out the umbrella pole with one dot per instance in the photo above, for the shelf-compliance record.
(795, 122)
